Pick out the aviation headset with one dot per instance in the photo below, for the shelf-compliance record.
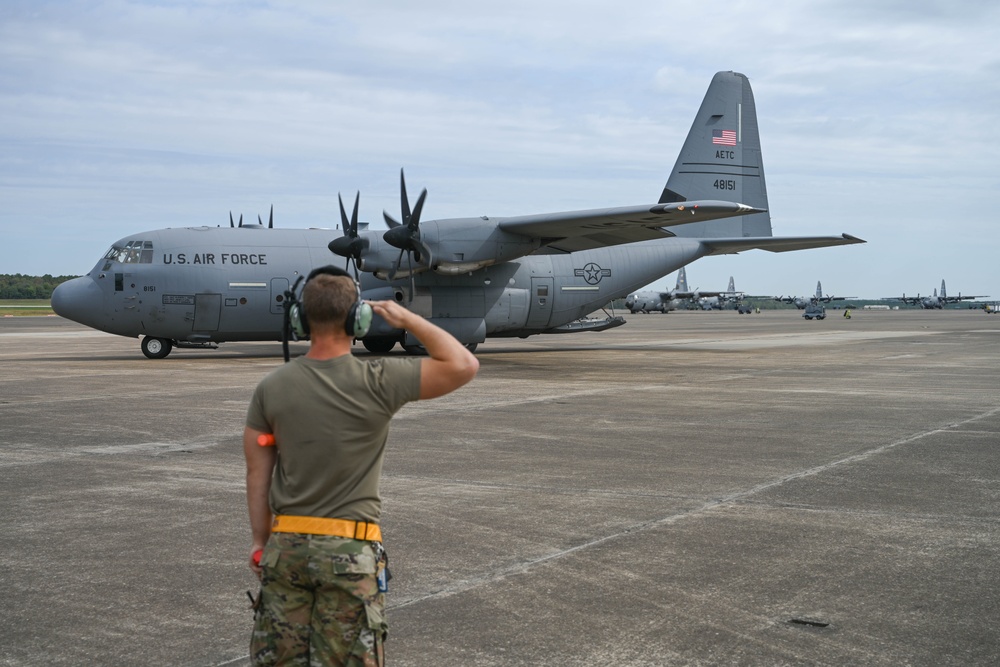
(359, 316)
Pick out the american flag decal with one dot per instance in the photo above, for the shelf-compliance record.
(724, 137)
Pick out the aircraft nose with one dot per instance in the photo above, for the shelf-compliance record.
(78, 299)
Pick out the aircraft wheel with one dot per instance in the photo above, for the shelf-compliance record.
(378, 345)
(471, 347)
(415, 350)
(156, 348)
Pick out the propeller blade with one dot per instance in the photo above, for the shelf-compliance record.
(231, 223)
(414, 223)
(354, 216)
(413, 285)
(399, 264)
(404, 202)
(343, 216)
(270, 219)
(427, 253)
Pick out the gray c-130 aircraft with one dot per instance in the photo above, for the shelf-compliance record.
(476, 277)
(937, 301)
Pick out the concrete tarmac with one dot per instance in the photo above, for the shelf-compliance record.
(689, 489)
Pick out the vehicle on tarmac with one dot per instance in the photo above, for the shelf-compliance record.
(814, 311)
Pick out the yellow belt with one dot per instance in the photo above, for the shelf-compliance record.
(314, 525)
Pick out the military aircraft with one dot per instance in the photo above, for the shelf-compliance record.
(652, 301)
(802, 301)
(937, 301)
(476, 277)
(648, 301)
(718, 300)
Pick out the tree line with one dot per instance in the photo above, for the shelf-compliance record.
(18, 286)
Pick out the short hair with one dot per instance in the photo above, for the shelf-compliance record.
(327, 299)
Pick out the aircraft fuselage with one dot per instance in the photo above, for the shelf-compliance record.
(201, 285)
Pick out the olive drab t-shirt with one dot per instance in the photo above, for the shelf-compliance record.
(330, 420)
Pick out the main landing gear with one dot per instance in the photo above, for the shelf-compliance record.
(156, 348)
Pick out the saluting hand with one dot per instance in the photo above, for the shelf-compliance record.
(393, 313)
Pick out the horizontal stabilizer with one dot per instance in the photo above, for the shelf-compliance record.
(569, 231)
(776, 243)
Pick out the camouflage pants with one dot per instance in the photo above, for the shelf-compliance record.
(320, 603)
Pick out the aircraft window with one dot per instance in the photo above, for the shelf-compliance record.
(134, 252)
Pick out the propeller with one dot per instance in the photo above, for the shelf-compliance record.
(231, 220)
(351, 244)
(270, 220)
(405, 235)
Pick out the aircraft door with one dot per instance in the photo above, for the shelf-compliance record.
(540, 303)
(278, 288)
(207, 309)
(125, 303)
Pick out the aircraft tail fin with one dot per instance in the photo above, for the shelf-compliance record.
(944, 294)
(819, 289)
(721, 160)
(682, 281)
(732, 284)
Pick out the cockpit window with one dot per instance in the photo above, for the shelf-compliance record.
(133, 252)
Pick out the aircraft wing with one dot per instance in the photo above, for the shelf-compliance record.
(968, 297)
(776, 243)
(698, 294)
(570, 231)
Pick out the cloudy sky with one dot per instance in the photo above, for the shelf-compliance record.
(877, 118)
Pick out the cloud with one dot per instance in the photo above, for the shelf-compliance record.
(124, 115)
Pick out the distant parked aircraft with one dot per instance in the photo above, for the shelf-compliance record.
(719, 301)
(802, 301)
(936, 301)
(680, 297)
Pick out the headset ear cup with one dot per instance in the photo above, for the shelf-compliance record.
(297, 318)
(359, 319)
(349, 320)
(362, 319)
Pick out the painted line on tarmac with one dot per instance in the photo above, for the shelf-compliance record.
(521, 568)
